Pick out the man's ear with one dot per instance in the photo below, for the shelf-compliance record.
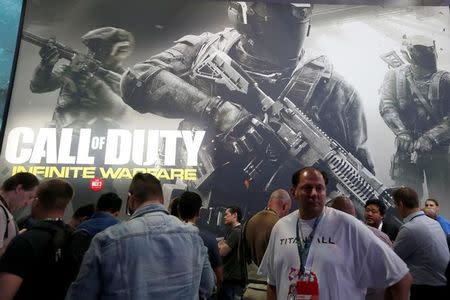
(292, 190)
(116, 214)
(19, 188)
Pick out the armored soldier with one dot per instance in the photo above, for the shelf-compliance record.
(86, 98)
(266, 42)
(415, 104)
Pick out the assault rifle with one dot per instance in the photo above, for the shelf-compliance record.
(305, 143)
(80, 61)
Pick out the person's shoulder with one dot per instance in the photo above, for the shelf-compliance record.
(286, 220)
(192, 39)
(338, 215)
(442, 219)
(332, 80)
(334, 216)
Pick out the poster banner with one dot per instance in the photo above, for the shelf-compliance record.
(10, 13)
(231, 98)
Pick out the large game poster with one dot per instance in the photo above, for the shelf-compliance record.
(230, 98)
(10, 14)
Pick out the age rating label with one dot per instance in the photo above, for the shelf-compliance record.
(96, 184)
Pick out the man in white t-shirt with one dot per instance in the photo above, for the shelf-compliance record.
(344, 256)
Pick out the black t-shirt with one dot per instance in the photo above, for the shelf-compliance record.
(213, 250)
(29, 256)
(232, 267)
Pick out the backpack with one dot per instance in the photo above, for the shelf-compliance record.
(58, 257)
(77, 247)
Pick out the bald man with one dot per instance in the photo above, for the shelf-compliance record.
(319, 250)
(258, 228)
(343, 203)
(256, 235)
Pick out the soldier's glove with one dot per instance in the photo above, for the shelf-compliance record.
(404, 142)
(243, 133)
(49, 54)
(424, 144)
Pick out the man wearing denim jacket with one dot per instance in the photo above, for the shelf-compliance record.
(151, 256)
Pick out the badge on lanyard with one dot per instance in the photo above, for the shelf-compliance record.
(307, 287)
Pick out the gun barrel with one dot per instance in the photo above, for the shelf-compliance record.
(64, 52)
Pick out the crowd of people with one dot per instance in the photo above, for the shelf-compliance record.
(318, 251)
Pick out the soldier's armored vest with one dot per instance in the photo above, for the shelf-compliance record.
(421, 106)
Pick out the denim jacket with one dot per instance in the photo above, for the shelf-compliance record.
(152, 256)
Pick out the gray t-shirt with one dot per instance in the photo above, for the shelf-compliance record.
(422, 245)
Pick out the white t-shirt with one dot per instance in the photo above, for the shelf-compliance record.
(344, 254)
(11, 228)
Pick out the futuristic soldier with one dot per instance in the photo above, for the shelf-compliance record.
(86, 99)
(415, 104)
(266, 42)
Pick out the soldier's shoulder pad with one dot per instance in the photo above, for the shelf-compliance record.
(320, 63)
(194, 39)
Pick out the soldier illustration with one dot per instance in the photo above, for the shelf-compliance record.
(415, 104)
(266, 42)
(87, 98)
(89, 90)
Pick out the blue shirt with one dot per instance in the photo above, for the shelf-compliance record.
(152, 256)
(98, 222)
(445, 224)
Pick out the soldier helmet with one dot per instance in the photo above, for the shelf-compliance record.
(109, 41)
(420, 50)
(274, 24)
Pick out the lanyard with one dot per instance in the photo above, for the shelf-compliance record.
(417, 216)
(304, 251)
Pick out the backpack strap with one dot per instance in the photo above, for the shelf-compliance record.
(433, 93)
(8, 220)
(400, 83)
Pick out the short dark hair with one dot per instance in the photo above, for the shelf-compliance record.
(235, 210)
(84, 211)
(54, 194)
(433, 200)
(376, 202)
(407, 196)
(173, 206)
(296, 176)
(145, 186)
(27, 180)
(189, 205)
(110, 202)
